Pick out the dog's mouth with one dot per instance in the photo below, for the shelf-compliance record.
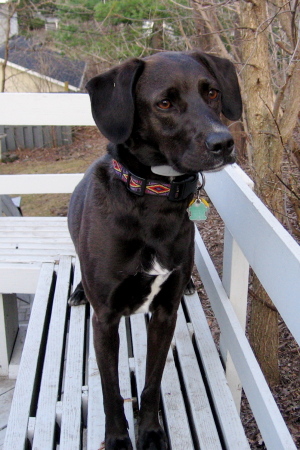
(219, 165)
(191, 164)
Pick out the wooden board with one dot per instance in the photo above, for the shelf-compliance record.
(125, 381)
(45, 109)
(39, 183)
(44, 434)
(95, 416)
(228, 417)
(16, 433)
(198, 403)
(263, 240)
(71, 423)
(177, 424)
(267, 415)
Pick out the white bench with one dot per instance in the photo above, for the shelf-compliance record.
(58, 394)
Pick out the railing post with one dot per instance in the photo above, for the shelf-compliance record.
(235, 281)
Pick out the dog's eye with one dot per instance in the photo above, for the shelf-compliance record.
(213, 94)
(164, 104)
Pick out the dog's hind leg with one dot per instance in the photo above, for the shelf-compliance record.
(106, 343)
(78, 296)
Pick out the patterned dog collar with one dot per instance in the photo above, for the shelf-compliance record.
(175, 191)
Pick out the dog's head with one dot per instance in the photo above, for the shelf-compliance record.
(166, 108)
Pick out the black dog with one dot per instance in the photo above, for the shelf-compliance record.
(128, 216)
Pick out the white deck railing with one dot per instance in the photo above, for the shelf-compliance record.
(252, 236)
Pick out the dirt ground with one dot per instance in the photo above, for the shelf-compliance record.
(87, 146)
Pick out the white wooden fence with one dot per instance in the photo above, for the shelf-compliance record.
(253, 236)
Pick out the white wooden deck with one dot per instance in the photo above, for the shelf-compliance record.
(61, 405)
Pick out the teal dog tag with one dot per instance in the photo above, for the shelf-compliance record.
(198, 210)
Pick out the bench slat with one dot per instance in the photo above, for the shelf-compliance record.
(24, 221)
(96, 416)
(174, 409)
(16, 432)
(125, 381)
(32, 259)
(228, 417)
(37, 225)
(71, 424)
(29, 245)
(36, 232)
(203, 420)
(44, 434)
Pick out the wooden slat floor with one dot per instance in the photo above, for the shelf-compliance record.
(58, 399)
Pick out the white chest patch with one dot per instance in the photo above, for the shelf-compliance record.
(161, 276)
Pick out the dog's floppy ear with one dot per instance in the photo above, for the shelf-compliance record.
(224, 72)
(112, 100)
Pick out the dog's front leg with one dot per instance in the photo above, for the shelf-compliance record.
(106, 343)
(160, 333)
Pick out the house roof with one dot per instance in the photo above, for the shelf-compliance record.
(35, 58)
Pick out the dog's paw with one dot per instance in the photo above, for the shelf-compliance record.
(152, 440)
(190, 288)
(114, 443)
(78, 297)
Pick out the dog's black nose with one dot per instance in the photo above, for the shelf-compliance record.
(220, 142)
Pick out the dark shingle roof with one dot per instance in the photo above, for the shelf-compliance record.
(23, 52)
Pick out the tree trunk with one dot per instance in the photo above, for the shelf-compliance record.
(267, 154)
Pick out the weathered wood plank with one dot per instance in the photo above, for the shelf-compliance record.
(96, 416)
(202, 417)
(36, 232)
(25, 385)
(125, 382)
(37, 227)
(24, 220)
(34, 259)
(29, 246)
(46, 411)
(28, 136)
(229, 421)
(70, 435)
(174, 409)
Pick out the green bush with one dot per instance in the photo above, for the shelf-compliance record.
(124, 11)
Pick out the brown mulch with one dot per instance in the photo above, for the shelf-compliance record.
(87, 146)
